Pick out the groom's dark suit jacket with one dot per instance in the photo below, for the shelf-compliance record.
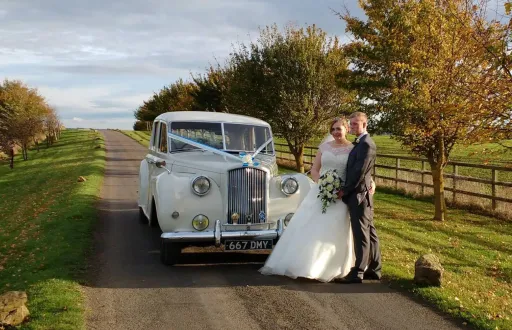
(359, 167)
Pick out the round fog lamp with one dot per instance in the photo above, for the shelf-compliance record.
(288, 218)
(201, 185)
(200, 222)
(289, 186)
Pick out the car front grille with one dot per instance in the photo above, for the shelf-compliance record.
(247, 195)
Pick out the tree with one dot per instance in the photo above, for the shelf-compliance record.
(288, 79)
(176, 97)
(140, 126)
(22, 111)
(181, 94)
(52, 127)
(428, 68)
(211, 90)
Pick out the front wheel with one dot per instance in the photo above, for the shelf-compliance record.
(169, 252)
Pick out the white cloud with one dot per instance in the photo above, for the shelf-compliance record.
(77, 119)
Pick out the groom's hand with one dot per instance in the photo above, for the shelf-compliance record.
(340, 194)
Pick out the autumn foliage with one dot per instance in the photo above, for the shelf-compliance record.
(25, 119)
(433, 72)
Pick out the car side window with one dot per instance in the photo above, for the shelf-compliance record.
(155, 136)
(163, 138)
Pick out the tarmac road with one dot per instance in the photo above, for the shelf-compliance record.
(131, 289)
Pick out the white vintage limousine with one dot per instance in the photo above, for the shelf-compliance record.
(212, 179)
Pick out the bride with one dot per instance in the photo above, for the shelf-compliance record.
(318, 245)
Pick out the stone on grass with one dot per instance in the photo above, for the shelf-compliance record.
(81, 179)
(428, 270)
(13, 311)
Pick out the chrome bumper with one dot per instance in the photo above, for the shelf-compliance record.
(218, 236)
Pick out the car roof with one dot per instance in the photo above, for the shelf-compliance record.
(210, 117)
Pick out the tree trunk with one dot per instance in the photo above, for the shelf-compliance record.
(298, 153)
(37, 144)
(24, 151)
(11, 164)
(439, 200)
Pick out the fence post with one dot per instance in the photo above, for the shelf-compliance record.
(396, 172)
(494, 180)
(455, 173)
(423, 178)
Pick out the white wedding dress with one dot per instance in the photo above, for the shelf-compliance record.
(316, 245)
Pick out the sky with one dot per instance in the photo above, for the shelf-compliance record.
(96, 61)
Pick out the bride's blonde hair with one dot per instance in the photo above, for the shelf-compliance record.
(343, 120)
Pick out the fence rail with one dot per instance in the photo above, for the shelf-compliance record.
(391, 168)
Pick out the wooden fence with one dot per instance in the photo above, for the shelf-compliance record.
(461, 179)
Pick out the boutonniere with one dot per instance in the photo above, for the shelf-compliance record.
(358, 140)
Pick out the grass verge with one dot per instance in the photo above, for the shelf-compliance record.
(46, 227)
(475, 251)
(142, 137)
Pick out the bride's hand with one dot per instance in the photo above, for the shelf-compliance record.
(372, 188)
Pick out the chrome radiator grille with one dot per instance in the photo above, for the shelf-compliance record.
(247, 195)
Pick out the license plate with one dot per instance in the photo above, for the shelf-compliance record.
(264, 244)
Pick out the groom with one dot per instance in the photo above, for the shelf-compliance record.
(356, 194)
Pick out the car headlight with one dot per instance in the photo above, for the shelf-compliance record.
(289, 186)
(200, 222)
(201, 185)
(288, 218)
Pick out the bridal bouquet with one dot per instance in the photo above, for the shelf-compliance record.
(329, 184)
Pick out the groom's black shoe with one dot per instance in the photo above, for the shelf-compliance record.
(369, 275)
(349, 279)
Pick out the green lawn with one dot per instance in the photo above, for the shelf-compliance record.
(46, 226)
(486, 153)
(476, 252)
(142, 137)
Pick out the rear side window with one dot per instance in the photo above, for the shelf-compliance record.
(163, 138)
(156, 126)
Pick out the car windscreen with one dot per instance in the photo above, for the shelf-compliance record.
(239, 137)
(242, 137)
(209, 134)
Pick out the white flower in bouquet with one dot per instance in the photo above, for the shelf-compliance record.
(328, 184)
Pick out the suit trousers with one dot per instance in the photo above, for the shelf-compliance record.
(366, 241)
